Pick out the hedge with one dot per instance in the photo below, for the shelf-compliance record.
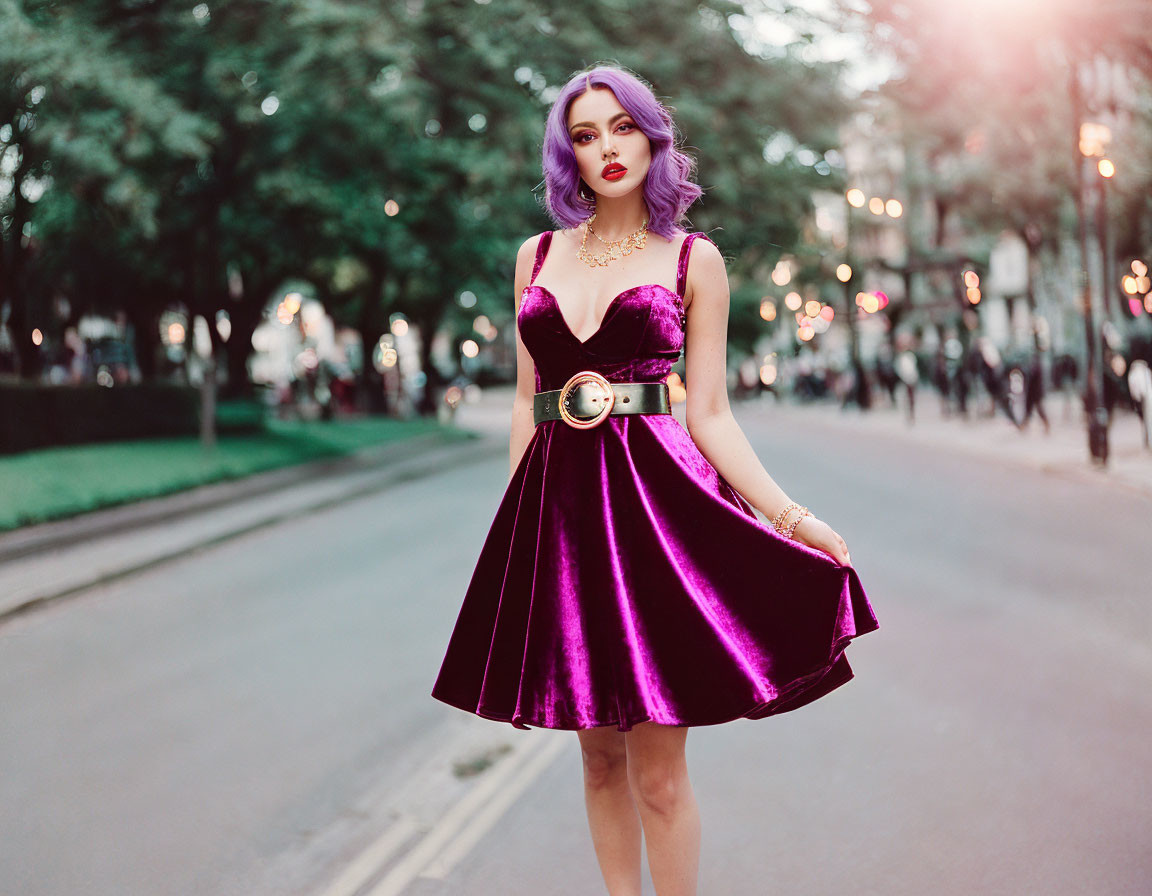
(38, 416)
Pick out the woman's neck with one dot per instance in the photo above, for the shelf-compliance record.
(618, 216)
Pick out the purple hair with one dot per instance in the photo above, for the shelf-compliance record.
(668, 187)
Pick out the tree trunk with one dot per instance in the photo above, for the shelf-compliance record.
(370, 325)
(434, 382)
(239, 347)
(145, 337)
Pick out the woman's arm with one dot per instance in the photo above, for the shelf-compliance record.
(522, 425)
(708, 414)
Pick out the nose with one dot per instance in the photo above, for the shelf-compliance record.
(606, 147)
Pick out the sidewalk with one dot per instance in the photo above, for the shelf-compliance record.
(48, 561)
(1063, 451)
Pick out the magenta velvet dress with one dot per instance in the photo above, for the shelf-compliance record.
(623, 580)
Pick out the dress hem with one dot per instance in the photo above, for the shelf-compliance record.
(799, 692)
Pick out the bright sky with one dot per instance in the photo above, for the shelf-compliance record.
(768, 26)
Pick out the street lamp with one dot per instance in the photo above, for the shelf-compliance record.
(1107, 170)
(860, 391)
(1092, 139)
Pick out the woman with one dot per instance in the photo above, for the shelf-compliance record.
(627, 589)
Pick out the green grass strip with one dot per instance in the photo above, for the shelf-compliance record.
(58, 482)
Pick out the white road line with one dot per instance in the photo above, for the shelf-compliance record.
(472, 816)
(375, 857)
(484, 820)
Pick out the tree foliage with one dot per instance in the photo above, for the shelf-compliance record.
(158, 152)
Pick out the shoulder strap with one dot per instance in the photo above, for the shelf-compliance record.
(682, 267)
(541, 251)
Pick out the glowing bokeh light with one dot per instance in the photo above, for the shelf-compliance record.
(844, 273)
(876, 205)
(1094, 137)
(811, 307)
(855, 198)
(792, 301)
(971, 279)
(469, 348)
(37, 336)
(894, 208)
(767, 309)
(1106, 168)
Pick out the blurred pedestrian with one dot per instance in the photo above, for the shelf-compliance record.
(626, 588)
(886, 373)
(941, 379)
(1034, 391)
(993, 374)
(909, 373)
(1140, 388)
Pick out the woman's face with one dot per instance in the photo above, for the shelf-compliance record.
(605, 138)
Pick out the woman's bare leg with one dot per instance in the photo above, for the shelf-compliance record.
(612, 816)
(658, 773)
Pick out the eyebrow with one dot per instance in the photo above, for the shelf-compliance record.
(588, 124)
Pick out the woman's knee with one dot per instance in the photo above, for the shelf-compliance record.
(659, 785)
(605, 764)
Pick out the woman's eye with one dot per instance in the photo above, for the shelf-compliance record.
(628, 125)
(580, 139)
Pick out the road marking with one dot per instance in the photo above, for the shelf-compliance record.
(376, 856)
(484, 820)
(474, 815)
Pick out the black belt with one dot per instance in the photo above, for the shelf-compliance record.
(588, 398)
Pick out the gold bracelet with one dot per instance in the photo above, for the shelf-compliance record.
(804, 511)
(779, 519)
(784, 521)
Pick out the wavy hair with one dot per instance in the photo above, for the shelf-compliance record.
(668, 187)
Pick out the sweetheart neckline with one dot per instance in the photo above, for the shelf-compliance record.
(607, 311)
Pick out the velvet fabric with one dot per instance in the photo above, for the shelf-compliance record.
(623, 580)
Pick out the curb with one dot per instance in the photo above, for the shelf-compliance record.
(417, 458)
(61, 533)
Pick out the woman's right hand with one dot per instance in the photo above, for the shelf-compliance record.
(816, 533)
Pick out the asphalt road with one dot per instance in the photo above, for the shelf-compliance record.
(254, 718)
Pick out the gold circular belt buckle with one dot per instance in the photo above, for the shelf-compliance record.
(603, 396)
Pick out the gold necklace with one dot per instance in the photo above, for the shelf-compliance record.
(616, 249)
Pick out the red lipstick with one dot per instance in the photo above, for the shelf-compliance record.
(615, 171)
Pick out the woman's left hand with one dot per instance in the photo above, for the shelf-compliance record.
(816, 533)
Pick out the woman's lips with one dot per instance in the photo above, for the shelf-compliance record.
(615, 174)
